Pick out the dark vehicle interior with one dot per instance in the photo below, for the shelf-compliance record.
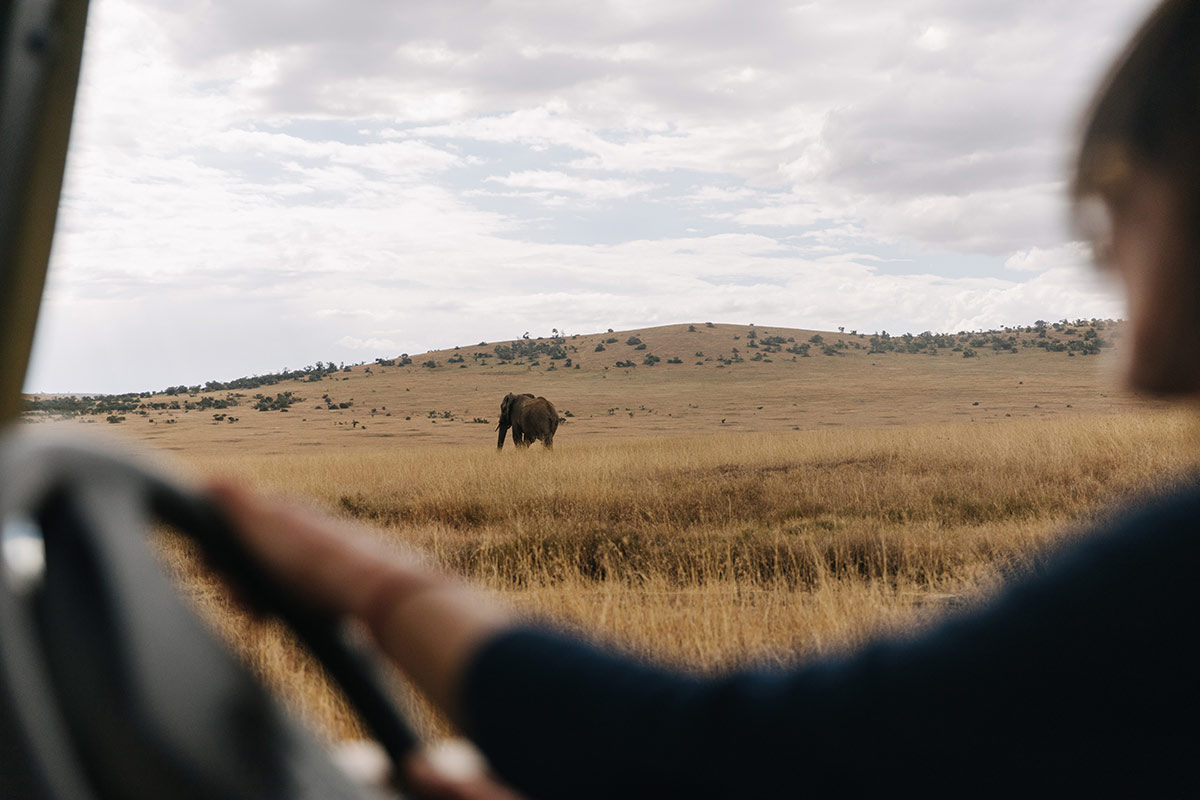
(109, 685)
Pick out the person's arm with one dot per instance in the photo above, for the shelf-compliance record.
(1080, 680)
(429, 624)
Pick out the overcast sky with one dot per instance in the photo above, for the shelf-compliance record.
(255, 185)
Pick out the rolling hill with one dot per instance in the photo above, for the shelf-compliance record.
(684, 379)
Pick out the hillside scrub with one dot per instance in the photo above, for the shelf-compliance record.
(1082, 337)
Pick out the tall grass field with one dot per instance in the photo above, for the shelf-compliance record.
(721, 551)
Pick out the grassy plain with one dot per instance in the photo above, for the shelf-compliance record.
(757, 513)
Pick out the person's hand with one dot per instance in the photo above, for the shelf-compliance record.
(454, 770)
(451, 769)
(429, 623)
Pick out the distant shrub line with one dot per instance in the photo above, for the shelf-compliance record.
(1081, 337)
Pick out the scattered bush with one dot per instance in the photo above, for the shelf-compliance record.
(279, 402)
(528, 348)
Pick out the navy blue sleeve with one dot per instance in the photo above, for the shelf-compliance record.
(1079, 679)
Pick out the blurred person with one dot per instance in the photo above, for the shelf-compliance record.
(1079, 679)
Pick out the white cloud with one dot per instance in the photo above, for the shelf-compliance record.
(591, 188)
(1072, 255)
(790, 215)
(934, 39)
(406, 159)
(706, 195)
(374, 344)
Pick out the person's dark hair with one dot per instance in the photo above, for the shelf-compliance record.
(1147, 111)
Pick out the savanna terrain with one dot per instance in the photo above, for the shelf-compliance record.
(714, 508)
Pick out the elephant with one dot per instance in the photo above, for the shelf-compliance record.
(531, 418)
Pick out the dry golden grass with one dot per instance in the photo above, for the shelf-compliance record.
(724, 550)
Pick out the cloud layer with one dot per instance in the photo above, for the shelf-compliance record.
(249, 190)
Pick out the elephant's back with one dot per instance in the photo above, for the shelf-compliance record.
(544, 409)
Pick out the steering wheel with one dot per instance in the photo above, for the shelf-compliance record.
(110, 687)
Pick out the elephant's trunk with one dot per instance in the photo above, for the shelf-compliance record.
(503, 432)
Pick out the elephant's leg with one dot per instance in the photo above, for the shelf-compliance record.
(518, 435)
(548, 440)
